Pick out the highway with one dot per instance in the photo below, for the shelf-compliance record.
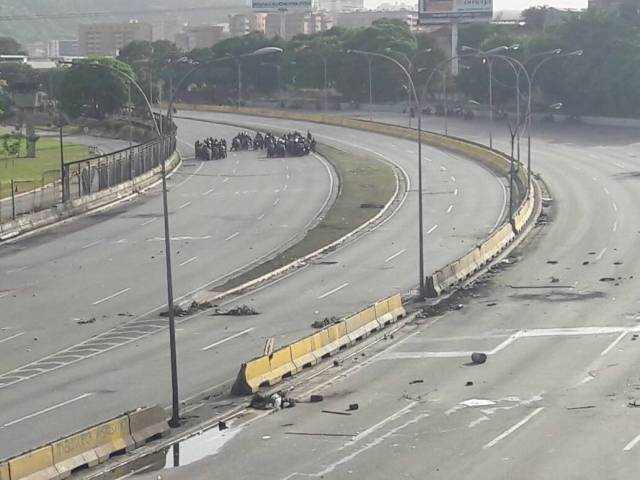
(464, 202)
(100, 266)
(555, 398)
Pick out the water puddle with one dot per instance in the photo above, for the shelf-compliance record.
(199, 446)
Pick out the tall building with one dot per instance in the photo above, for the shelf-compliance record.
(295, 23)
(239, 25)
(201, 36)
(365, 19)
(107, 39)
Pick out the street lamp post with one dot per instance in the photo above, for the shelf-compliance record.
(422, 292)
(370, 60)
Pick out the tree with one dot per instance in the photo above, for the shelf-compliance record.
(93, 90)
(9, 46)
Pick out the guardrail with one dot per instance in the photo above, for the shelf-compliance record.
(87, 448)
(269, 370)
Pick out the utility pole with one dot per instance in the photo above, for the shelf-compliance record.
(62, 174)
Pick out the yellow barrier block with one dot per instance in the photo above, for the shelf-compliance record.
(281, 365)
(147, 423)
(370, 314)
(395, 307)
(256, 371)
(4, 471)
(353, 323)
(302, 353)
(37, 464)
(337, 331)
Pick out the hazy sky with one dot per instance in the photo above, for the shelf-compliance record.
(505, 4)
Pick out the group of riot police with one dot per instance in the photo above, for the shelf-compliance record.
(211, 149)
(292, 144)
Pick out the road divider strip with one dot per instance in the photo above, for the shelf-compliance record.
(455, 273)
(269, 370)
(87, 448)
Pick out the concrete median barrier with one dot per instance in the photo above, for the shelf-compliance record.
(87, 448)
(267, 371)
(34, 465)
(147, 423)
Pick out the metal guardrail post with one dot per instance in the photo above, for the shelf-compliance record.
(13, 200)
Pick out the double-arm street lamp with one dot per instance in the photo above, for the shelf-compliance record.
(371, 55)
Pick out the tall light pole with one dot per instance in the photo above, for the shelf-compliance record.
(410, 64)
(423, 292)
(370, 60)
(238, 59)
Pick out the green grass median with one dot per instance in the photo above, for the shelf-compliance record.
(30, 173)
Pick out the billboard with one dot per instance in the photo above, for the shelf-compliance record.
(280, 4)
(438, 12)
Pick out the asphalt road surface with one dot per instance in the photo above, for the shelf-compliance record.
(464, 202)
(556, 397)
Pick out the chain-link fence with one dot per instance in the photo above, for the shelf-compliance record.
(90, 176)
(81, 178)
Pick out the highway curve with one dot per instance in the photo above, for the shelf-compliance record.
(555, 398)
(463, 200)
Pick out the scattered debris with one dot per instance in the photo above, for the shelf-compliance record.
(335, 412)
(581, 408)
(617, 263)
(555, 279)
(478, 358)
(322, 434)
(222, 425)
(552, 262)
(607, 279)
(416, 381)
(127, 314)
(456, 307)
(492, 304)
(325, 322)
(195, 307)
(634, 337)
(469, 383)
(378, 206)
(275, 401)
(336, 363)
(239, 311)
(592, 253)
(633, 404)
(586, 262)
(353, 406)
(316, 398)
(86, 322)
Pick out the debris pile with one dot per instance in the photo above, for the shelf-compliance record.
(239, 311)
(193, 308)
(274, 401)
(325, 322)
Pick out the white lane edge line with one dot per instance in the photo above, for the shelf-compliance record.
(615, 226)
(204, 194)
(395, 255)
(432, 229)
(455, 192)
(615, 207)
(261, 216)
(331, 292)
(508, 432)
(187, 262)
(12, 337)
(4, 294)
(450, 208)
(220, 342)
(93, 244)
(184, 205)
(276, 202)
(225, 180)
(601, 254)
(46, 410)
(102, 300)
(453, 179)
(613, 344)
(632, 443)
(145, 223)
(231, 237)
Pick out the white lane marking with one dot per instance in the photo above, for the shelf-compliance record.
(330, 292)
(443, 168)
(261, 216)
(601, 254)
(455, 192)
(231, 237)
(615, 207)
(16, 270)
(631, 444)
(225, 180)
(508, 432)
(504, 204)
(177, 239)
(395, 255)
(432, 229)
(288, 176)
(147, 222)
(220, 342)
(93, 244)
(595, 179)
(204, 194)
(184, 205)
(102, 300)
(394, 416)
(409, 150)
(276, 202)
(615, 226)
(187, 262)
(4, 294)
(234, 171)
(450, 208)
(191, 176)
(12, 337)
(606, 191)
(453, 179)
(619, 165)
(613, 344)
(284, 189)
(238, 162)
(46, 410)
